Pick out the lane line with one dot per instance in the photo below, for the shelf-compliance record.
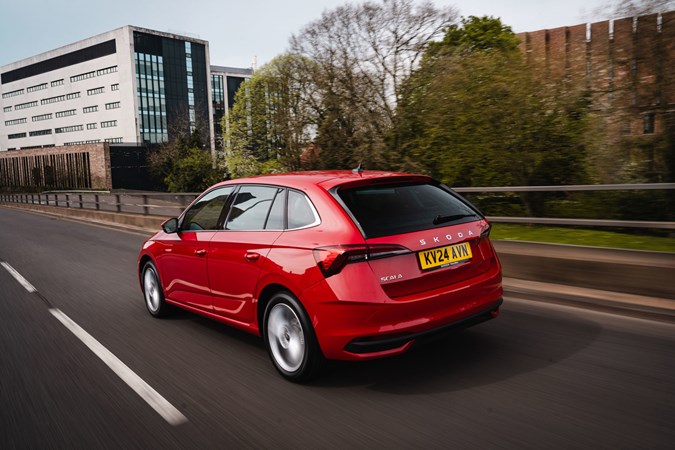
(143, 389)
(18, 277)
(136, 383)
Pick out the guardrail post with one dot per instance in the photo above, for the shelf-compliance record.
(97, 204)
(32, 199)
(56, 199)
(79, 197)
(118, 202)
(67, 200)
(146, 210)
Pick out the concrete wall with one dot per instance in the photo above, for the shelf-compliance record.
(614, 270)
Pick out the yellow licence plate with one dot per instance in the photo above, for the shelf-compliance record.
(444, 256)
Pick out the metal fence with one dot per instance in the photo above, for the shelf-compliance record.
(167, 205)
(146, 203)
(664, 225)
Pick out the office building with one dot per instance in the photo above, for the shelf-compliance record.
(225, 82)
(130, 86)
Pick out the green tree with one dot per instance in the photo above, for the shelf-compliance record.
(272, 119)
(184, 164)
(475, 115)
(362, 54)
(192, 172)
(476, 34)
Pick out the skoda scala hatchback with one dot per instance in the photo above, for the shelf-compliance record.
(345, 265)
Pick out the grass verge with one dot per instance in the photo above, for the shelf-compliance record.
(579, 236)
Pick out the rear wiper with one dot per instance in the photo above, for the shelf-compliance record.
(443, 219)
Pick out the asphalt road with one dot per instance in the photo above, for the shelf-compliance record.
(540, 376)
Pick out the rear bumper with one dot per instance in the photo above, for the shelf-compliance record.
(385, 343)
(373, 325)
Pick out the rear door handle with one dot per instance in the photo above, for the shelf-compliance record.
(252, 256)
(200, 252)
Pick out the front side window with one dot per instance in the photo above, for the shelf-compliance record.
(251, 208)
(205, 213)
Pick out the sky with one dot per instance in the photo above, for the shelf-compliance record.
(238, 31)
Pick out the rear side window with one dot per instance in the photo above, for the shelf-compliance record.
(300, 211)
(251, 208)
(275, 219)
(395, 209)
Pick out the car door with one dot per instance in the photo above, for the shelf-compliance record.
(237, 253)
(184, 255)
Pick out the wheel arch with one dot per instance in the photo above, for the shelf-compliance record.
(265, 296)
(141, 262)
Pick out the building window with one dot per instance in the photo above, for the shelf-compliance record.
(107, 70)
(7, 108)
(217, 90)
(115, 87)
(57, 82)
(26, 105)
(117, 140)
(82, 76)
(58, 98)
(17, 136)
(70, 112)
(41, 117)
(72, 95)
(190, 85)
(98, 90)
(91, 126)
(69, 129)
(113, 105)
(109, 124)
(90, 109)
(152, 114)
(12, 93)
(40, 132)
(15, 121)
(648, 123)
(92, 141)
(38, 87)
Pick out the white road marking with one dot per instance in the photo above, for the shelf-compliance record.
(143, 389)
(18, 277)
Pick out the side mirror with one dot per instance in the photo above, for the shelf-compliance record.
(170, 226)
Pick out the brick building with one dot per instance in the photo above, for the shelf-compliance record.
(625, 65)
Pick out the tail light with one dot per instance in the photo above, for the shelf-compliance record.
(331, 260)
(485, 231)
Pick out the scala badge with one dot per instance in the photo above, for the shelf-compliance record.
(391, 278)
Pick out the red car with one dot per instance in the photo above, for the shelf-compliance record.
(345, 265)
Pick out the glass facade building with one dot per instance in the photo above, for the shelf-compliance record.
(172, 89)
(225, 82)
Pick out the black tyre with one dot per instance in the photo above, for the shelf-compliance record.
(290, 339)
(152, 291)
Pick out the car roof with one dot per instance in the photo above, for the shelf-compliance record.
(325, 178)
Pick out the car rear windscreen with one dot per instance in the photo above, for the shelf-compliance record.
(385, 210)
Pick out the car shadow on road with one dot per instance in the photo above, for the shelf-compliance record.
(515, 343)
